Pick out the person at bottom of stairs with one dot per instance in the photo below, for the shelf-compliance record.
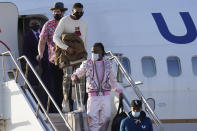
(137, 119)
(100, 81)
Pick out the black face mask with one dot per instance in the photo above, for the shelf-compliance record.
(78, 15)
(35, 27)
(57, 16)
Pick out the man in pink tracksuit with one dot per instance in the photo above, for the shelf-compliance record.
(100, 81)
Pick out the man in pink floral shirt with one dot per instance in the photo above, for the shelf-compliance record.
(46, 37)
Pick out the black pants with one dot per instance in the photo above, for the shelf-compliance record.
(44, 73)
(56, 78)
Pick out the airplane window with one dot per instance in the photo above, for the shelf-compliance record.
(126, 63)
(174, 66)
(148, 66)
(194, 65)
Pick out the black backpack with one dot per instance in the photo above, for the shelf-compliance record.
(119, 117)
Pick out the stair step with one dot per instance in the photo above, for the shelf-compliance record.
(73, 119)
(55, 117)
(61, 126)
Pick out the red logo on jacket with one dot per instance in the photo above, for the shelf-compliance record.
(77, 31)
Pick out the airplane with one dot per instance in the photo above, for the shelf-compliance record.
(154, 41)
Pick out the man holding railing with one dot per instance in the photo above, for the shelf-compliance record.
(72, 23)
(100, 81)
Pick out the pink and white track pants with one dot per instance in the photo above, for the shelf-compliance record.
(99, 112)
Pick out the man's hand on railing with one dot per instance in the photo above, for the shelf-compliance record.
(75, 79)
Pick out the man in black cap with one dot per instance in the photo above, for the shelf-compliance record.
(46, 37)
(137, 119)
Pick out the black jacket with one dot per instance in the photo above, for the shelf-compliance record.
(30, 47)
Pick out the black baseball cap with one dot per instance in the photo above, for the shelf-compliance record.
(136, 103)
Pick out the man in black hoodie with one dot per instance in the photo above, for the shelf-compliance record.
(137, 119)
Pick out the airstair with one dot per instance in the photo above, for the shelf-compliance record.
(137, 91)
(45, 117)
(60, 121)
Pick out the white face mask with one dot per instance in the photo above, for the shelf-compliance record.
(135, 114)
(95, 57)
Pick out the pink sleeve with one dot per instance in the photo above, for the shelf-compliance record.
(80, 71)
(113, 82)
(44, 32)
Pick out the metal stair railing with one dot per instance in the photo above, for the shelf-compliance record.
(137, 91)
(8, 53)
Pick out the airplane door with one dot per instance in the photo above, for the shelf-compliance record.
(8, 28)
(8, 41)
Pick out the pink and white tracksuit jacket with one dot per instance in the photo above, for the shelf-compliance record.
(99, 100)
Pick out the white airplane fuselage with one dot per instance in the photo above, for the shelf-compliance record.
(158, 38)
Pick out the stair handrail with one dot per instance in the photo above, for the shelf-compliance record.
(137, 91)
(46, 90)
(42, 84)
